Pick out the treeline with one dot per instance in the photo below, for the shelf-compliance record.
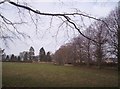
(11, 58)
(101, 51)
(28, 56)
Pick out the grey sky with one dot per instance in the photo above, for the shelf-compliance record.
(47, 37)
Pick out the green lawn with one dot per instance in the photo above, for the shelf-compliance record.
(49, 75)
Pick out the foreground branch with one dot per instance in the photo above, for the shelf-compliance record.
(64, 15)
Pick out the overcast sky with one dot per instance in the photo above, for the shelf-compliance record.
(51, 39)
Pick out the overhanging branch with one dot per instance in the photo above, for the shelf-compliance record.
(64, 15)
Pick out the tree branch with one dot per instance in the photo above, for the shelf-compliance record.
(65, 15)
(2, 1)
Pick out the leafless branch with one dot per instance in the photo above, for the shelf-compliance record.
(64, 15)
(10, 23)
(2, 1)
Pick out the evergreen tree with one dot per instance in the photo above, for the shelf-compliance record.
(48, 57)
(19, 58)
(42, 54)
(12, 57)
(15, 58)
(31, 53)
(7, 58)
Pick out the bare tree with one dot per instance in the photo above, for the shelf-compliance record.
(113, 37)
(99, 33)
(88, 46)
(78, 44)
(58, 57)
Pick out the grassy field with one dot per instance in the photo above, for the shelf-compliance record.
(49, 75)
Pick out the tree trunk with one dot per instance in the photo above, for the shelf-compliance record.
(88, 60)
(99, 56)
(88, 54)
